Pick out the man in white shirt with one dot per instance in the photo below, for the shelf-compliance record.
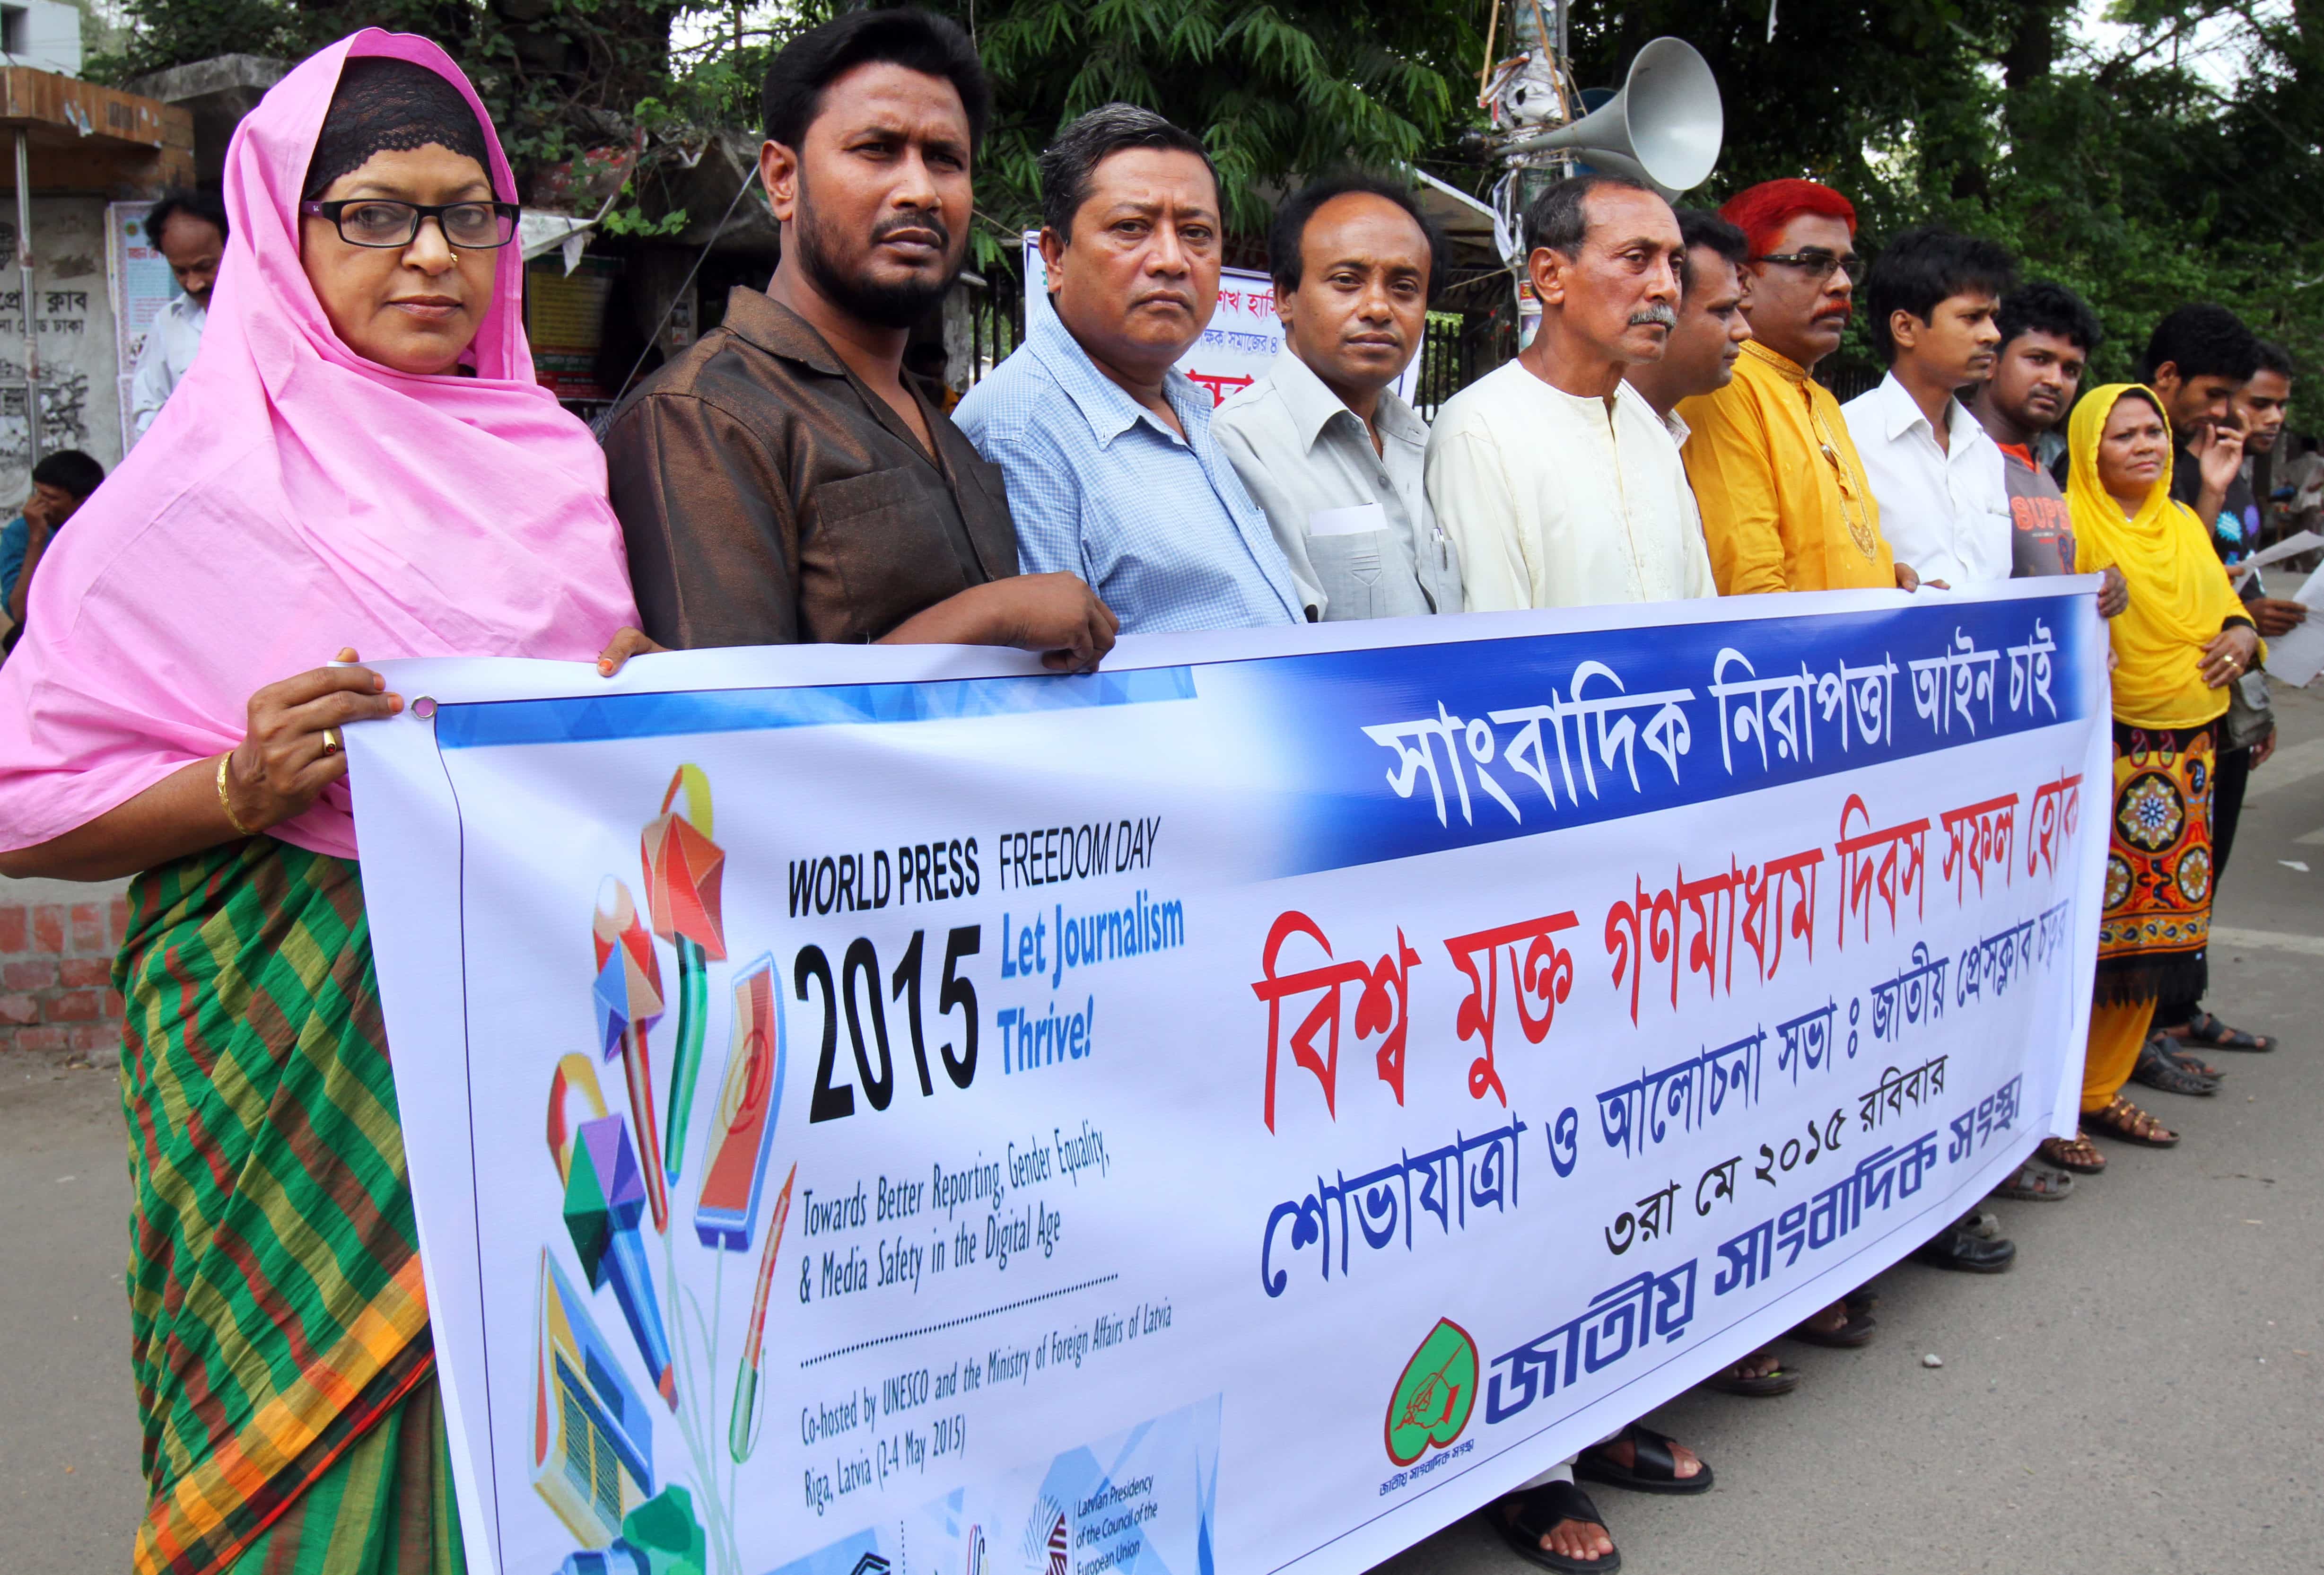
(1944, 505)
(1561, 488)
(1323, 442)
(1557, 482)
(189, 227)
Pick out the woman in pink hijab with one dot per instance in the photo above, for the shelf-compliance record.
(360, 459)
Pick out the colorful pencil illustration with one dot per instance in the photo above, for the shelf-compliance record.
(743, 1422)
(684, 871)
(603, 1195)
(750, 1098)
(629, 1000)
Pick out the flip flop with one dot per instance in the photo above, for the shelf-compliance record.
(1539, 1509)
(1767, 1385)
(2036, 1184)
(1656, 1467)
(2208, 1031)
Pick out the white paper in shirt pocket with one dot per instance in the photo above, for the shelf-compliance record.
(1352, 521)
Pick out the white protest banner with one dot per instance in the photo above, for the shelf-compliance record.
(891, 1110)
(1243, 334)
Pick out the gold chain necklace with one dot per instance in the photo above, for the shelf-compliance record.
(1851, 504)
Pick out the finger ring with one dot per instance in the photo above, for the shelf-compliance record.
(331, 741)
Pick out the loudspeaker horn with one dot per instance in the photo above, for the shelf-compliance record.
(1663, 127)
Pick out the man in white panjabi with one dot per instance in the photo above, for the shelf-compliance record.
(1561, 488)
(1553, 476)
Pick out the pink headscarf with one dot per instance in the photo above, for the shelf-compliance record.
(293, 498)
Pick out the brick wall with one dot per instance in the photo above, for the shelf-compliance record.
(56, 973)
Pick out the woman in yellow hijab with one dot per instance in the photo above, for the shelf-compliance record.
(2183, 638)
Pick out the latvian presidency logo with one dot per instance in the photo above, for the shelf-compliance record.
(1434, 1395)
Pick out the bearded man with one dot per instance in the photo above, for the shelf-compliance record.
(783, 480)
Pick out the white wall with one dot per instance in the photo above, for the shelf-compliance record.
(47, 34)
(73, 316)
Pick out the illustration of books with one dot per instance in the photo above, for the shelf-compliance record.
(743, 1135)
(591, 1435)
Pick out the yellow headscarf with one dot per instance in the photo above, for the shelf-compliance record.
(2179, 593)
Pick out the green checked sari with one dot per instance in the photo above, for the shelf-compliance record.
(279, 1328)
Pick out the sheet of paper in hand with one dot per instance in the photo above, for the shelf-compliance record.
(886, 1109)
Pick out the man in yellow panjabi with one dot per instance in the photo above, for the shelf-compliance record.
(1785, 503)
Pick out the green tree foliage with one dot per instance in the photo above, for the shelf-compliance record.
(1274, 90)
(2128, 172)
(559, 76)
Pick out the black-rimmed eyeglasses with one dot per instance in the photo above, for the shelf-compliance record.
(375, 221)
(1822, 265)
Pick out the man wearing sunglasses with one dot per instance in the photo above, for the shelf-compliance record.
(1785, 503)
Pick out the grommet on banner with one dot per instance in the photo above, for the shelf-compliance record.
(424, 707)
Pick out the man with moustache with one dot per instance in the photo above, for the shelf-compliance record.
(1785, 502)
(1713, 322)
(1323, 441)
(1114, 471)
(1562, 489)
(783, 480)
(1944, 507)
(1553, 476)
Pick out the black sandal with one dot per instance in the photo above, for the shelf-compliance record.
(1732, 1381)
(1539, 1511)
(2187, 1059)
(1653, 1468)
(2158, 1068)
(2208, 1031)
(1857, 1331)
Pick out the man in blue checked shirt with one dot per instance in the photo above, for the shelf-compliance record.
(1112, 472)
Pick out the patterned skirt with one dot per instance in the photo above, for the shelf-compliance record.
(278, 1325)
(2154, 936)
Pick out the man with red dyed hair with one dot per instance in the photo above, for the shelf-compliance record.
(1785, 503)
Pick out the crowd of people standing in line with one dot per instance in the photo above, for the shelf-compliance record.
(360, 461)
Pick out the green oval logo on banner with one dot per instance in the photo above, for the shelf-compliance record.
(1434, 1395)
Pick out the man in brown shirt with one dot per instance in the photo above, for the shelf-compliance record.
(783, 481)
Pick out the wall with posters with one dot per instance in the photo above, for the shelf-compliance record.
(141, 286)
(81, 406)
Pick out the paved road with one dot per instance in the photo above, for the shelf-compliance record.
(2140, 1393)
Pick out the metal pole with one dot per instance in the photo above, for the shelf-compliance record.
(1537, 174)
(24, 284)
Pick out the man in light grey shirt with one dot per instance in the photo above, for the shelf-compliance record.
(1322, 442)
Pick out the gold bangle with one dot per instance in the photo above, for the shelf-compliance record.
(226, 804)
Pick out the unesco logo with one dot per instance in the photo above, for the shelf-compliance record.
(1433, 1395)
